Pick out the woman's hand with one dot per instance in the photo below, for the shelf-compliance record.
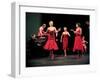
(61, 40)
(56, 39)
(72, 30)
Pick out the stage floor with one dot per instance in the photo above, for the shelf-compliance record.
(59, 60)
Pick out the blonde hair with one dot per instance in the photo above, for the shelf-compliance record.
(65, 28)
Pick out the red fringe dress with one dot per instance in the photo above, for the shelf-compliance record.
(78, 46)
(51, 43)
(65, 41)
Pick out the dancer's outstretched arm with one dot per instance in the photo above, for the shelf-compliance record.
(61, 37)
(69, 34)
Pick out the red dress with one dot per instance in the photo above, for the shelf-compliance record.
(41, 31)
(65, 41)
(78, 42)
(51, 43)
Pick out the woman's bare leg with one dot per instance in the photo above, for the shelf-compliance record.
(65, 54)
(78, 53)
(52, 57)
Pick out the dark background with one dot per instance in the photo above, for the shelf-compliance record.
(35, 20)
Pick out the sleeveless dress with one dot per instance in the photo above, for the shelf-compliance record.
(84, 45)
(65, 41)
(78, 45)
(51, 43)
(40, 30)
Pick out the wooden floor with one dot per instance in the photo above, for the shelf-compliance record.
(59, 60)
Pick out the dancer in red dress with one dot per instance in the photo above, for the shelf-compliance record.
(41, 30)
(84, 42)
(51, 44)
(64, 40)
(78, 46)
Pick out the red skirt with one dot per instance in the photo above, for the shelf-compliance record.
(78, 44)
(65, 43)
(51, 45)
